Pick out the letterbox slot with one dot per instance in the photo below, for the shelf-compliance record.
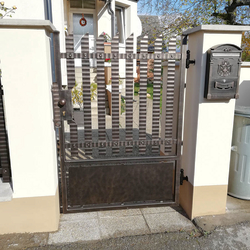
(222, 85)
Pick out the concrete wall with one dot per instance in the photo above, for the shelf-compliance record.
(27, 79)
(207, 128)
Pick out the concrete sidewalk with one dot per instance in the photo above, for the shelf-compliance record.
(145, 228)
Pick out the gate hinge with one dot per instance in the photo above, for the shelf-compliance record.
(188, 61)
(182, 178)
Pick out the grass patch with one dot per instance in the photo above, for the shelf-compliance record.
(150, 90)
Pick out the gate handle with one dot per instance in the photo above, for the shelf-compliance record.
(61, 103)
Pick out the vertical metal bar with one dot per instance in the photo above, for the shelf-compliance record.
(71, 84)
(4, 146)
(61, 125)
(115, 94)
(101, 90)
(180, 116)
(86, 94)
(129, 92)
(169, 121)
(156, 95)
(56, 109)
(143, 94)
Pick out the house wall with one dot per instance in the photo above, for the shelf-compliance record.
(27, 79)
(208, 126)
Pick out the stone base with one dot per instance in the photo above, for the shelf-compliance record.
(28, 215)
(203, 200)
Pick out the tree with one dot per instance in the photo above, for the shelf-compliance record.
(178, 15)
(175, 16)
(6, 11)
(246, 47)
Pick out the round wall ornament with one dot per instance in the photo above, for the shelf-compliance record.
(83, 21)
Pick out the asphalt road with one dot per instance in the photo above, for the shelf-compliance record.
(232, 237)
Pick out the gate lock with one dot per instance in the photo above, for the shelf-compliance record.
(65, 104)
(182, 178)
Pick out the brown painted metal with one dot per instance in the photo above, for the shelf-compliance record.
(71, 83)
(129, 93)
(113, 167)
(170, 95)
(156, 96)
(58, 75)
(5, 171)
(101, 93)
(143, 94)
(120, 184)
(86, 94)
(115, 96)
(147, 55)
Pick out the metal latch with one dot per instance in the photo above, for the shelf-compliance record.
(182, 178)
(188, 61)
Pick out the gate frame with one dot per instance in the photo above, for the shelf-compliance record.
(57, 86)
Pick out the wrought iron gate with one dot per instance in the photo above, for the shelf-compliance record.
(122, 160)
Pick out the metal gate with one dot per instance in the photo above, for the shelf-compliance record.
(119, 160)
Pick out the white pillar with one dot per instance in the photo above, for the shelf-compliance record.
(208, 127)
(27, 79)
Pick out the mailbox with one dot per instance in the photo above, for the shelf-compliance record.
(222, 72)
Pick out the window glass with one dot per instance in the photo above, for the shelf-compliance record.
(85, 4)
(119, 23)
(79, 30)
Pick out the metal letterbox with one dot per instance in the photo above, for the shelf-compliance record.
(222, 72)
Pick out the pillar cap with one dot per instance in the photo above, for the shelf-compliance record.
(218, 28)
(28, 24)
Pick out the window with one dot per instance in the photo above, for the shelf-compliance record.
(119, 23)
(79, 30)
(83, 4)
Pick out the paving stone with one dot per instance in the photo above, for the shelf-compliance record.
(113, 227)
(156, 210)
(119, 213)
(168, 222)
(78, 216)
(86, 230)
(5, 191)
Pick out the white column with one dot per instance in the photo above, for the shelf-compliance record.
(27, 79)
(208, 126)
